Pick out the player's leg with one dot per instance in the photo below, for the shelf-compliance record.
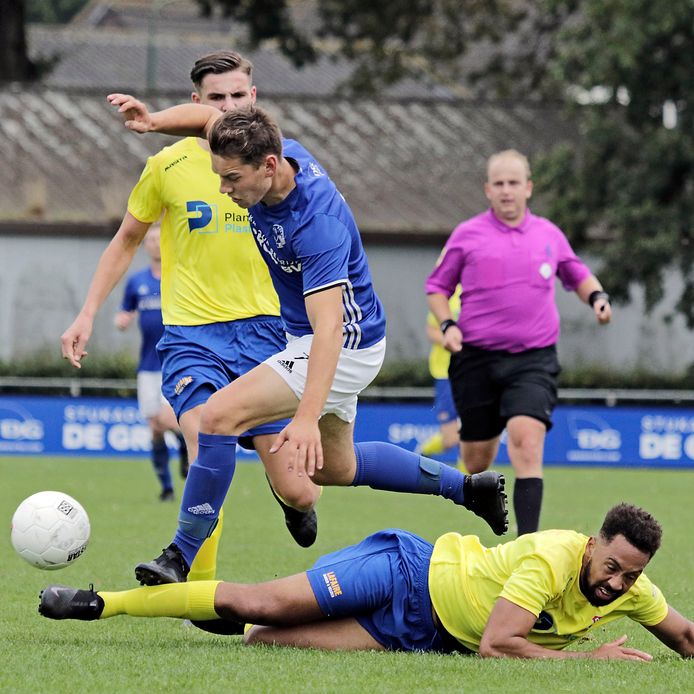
(334, 635)
(284, 601)
(191, 371)
(251, 400)
(527, 403)
(166, 419)
(149, 404)
(296, 496)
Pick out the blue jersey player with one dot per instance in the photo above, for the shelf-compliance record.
(335, 325)
(142, 299)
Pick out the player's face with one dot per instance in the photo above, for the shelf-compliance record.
(610, 569)
(245, 184)
(508, 189)
(226, 91)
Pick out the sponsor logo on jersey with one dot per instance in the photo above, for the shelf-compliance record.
(202, 217)
(181, 385)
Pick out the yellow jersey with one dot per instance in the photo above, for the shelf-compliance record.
(439, 357)
(538, 572)
(212, 271)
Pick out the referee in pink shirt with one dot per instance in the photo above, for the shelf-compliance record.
(504, 366)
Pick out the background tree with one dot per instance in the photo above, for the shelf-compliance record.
(14, 60)
(631, 178)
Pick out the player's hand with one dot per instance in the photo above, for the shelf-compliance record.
(302, 436)
(603, 311)
(136, 117)
(615, 650)
(74, 340)
(453, 339)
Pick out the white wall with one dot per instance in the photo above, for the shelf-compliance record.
(44, 281)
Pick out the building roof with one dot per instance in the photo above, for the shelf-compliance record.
(406, 166)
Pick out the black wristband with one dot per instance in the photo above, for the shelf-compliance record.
(448, 323)
(598, 294)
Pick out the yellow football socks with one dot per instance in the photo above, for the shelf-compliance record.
(185, 600)
(204, 566)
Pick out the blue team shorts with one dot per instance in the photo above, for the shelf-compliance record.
(383, 583)
(197, 360)
(444, 407)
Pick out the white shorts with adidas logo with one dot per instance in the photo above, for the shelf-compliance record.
(356, 368)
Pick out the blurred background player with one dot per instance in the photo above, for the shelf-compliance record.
(220, 310)
(504, 365)
(448, 434)
(142, 298)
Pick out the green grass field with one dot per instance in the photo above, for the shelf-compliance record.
(133, 655)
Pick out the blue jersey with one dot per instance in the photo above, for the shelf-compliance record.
(310, 243)
(142, 294)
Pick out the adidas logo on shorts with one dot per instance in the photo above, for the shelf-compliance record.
(288, 365)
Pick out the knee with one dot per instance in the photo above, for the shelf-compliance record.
(475, 466)
(216, 417)
(302, 499)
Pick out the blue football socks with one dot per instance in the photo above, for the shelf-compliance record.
(391, 468)
(206, 487)
(160, 463)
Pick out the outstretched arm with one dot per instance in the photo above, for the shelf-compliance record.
(506, 635)
(676, 632)
(112, 265)
(184, 119)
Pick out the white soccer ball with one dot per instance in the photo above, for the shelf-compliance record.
(50, 530)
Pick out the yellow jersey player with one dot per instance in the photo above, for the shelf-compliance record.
(220, 311)
(528, 598)
(444, 408)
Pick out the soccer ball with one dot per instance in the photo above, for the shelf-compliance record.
(50, 530)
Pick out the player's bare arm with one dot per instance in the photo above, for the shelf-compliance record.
(676, 632)
(601, 305)
(506, 636)
(123, 319)
(112, 265)
(324, 311)
(185, 119)
(452, 338)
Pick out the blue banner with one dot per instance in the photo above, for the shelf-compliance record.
(592, 435)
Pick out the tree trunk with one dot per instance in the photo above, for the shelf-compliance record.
(15, 65)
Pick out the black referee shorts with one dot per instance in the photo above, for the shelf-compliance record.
(491, 386)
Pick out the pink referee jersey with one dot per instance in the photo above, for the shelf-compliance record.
(507, 275)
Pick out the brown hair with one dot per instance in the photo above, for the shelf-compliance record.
(247, 133)
(218, 63)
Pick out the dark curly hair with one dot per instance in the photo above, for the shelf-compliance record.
(637, 526)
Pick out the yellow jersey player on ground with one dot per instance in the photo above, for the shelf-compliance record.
(444, 408)
(529, 598)
(220, 310)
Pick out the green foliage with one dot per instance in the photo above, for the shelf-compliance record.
(129, 526)
(629, 180)
(53, 11)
